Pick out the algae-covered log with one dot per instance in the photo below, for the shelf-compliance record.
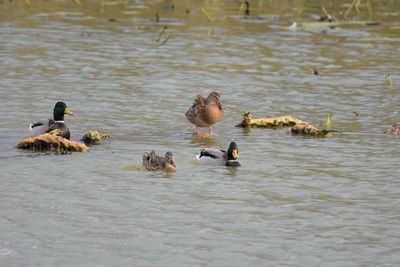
(94, 138)
(51, 143)
(284, 121)
(394, 130)
(309, 129)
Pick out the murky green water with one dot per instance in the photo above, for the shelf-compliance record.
(296, 201)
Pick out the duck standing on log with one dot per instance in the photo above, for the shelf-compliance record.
(57, 123)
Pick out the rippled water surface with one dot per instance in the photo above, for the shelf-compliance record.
(296, 201)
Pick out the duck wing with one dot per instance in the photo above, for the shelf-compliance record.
(39, 127)
(152, 162)
(212, 156)
(198, 105)
(60, 126)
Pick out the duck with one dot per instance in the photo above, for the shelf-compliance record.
(39, 127)
(153, 162)
(205, 112)
(215, 156)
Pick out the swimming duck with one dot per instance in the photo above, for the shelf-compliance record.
(47, 125)
(153, 162)
(205, 112)
(220, 157)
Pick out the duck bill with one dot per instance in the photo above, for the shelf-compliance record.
(235, 154)
(68, 111)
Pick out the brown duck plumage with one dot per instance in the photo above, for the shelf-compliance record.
(205, 112)
(153, 162)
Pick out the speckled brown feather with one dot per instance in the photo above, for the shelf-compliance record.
(206, 112)
(153, 162)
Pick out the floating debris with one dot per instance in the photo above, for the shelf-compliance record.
(245, 7)
(394, 130)
(293, 27)
(166, 39)
(389, 80)
(274, 122)
(206, 14)
(52, 143)
(163, 29)
(308, 129)
(316, 71)
(325, 16)
(94, 138)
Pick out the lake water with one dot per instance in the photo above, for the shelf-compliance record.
(295, 201)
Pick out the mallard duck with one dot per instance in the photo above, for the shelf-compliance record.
(57, 123)
(205, 112)
(220, 157)
(153, 162)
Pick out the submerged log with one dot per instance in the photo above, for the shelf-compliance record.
(94, 138)
(274, 122)
(52, 143)
(394, 130)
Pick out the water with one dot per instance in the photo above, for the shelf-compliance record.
(296, 201)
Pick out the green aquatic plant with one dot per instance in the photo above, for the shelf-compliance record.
(329, 121)
(94, 138)
(57, 132)
(206, 14)
(389, 81)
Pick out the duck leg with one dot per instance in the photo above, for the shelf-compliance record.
(196, 132)
(200, 134)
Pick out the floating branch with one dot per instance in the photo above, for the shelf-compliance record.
(163, 29)
(309, 129)
(52, 143)
(284, 121)
(94, 138)
(389, 81)
(394, 130)
(166, 39)
(206, 14)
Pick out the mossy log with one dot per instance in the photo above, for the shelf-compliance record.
(274, 122)
(94, 138)
(52, 143)
(309, 129)
(394, 130)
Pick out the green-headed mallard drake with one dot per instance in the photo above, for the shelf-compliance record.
(153, 162)
(205, 112)
(47, 125)
(220, 157)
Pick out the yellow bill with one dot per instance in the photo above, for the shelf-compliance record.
(235, 154)
(68, 111)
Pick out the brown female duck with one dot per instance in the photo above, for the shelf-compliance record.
(205, 112)
(153, 162)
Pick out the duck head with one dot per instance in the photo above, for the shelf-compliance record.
(233, 155)
(169, 163)
(215, 97)
(59, 110)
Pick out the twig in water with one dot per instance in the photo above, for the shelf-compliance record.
(164, 28)
(166, 39)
